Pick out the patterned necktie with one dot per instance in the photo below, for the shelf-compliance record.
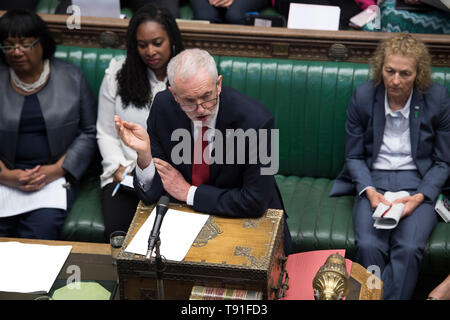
(200, 167)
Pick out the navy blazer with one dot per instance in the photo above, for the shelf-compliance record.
(235, 190)
(429, 130)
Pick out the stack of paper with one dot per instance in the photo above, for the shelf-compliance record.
(387, 217)
(313, 17)
(30, 268)
(178, 231)
(14, 201)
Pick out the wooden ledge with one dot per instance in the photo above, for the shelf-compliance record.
(245, 41)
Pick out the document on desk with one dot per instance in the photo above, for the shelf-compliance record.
(14, 201)
(315, 17)
(30, 268)
(178, 231)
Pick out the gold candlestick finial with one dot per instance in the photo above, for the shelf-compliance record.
(331, 281)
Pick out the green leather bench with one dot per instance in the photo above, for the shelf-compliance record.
(308, 100)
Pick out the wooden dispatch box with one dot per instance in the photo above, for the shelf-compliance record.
(232, 253)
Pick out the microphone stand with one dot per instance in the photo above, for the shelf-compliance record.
(159, 271)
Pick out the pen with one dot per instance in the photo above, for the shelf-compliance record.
(118, 185)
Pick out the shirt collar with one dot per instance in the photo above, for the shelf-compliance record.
(153, 79)
(404, 111)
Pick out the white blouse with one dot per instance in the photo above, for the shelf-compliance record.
(395, 151)
(114, 152)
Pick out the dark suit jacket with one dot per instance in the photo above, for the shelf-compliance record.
(235, 190)
(429, 131)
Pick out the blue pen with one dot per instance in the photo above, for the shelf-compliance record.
(118, 185)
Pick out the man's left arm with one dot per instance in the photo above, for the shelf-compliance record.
(258, 187)
(250, 199)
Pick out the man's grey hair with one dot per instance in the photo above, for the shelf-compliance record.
(189, 63)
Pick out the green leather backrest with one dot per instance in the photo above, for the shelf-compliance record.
(307, 98)
(93, 61)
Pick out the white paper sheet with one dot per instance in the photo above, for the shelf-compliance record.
(30, 268)
(313, 17)
(128, 181)
(98, 8)
(178, 231)
(387, 217)
(14, 201)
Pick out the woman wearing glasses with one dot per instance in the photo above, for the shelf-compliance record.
(128, 90)
(47, 129)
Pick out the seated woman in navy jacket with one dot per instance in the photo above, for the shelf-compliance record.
(47, 129)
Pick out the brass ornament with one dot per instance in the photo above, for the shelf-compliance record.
(209, 231)
(108, 39)
(338, 52)
(331, 281)
(254, 262)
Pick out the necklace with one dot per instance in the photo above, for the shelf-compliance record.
(29, 87)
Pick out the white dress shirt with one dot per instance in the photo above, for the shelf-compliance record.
(145, 176)
(395, 150)
(114, 152)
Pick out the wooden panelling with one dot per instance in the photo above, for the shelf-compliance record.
(248, 41)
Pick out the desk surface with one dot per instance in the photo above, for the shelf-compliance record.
(359, 283)
(92, 261)
(77, 247)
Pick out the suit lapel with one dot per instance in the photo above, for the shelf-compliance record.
(185, 123)
(379, 121)
(221, 125)
(414, 120)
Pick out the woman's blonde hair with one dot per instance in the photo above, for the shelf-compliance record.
(405, 45)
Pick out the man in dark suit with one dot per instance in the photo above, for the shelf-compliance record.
(398, 139)
(199, 119)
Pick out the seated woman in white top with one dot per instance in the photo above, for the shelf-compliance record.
(128, 89)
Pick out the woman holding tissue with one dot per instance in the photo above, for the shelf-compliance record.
(47, 129)
(398, 139)
(128, 89)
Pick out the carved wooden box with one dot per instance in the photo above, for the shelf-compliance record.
(228, 253)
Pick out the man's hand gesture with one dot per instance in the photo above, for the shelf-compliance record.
(135, 137)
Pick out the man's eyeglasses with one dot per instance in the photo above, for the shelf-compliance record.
(20, 46)
(208, 104)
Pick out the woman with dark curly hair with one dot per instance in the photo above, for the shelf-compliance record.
(397, 157)
(128, 89)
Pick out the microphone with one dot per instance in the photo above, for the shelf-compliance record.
(161, 208)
